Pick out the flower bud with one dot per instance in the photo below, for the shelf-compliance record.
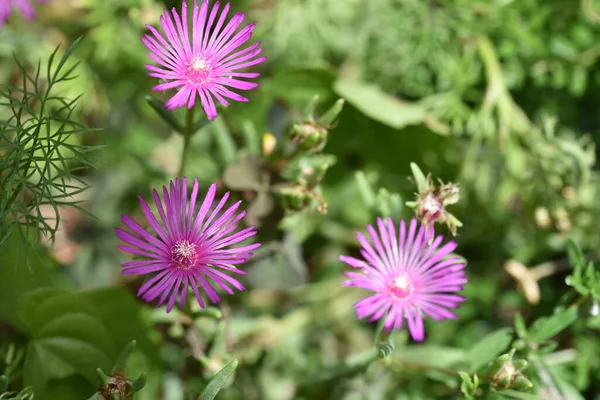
(506, 373)
(309, 136)
(431, 201)
(521, 383)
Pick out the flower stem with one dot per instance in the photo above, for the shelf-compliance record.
(189, 131)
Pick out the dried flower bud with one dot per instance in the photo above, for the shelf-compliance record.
(449, 193)
(430, 204)
(429, 208)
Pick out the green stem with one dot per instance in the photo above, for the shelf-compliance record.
(189, 131)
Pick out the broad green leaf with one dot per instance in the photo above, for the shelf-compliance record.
(376, 104)
(66, 338)
(489, 347)
(546, 327)
(218, 381)
(16, 279)
(71, 388)
(119, 311)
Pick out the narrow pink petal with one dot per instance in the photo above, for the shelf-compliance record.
(199, 21)
(197, 292)
(184, 291)
(130, 239)
(225, 35)
(147, 269)
(173, 297)
(415, 326)
(149, 283)
(211, 20)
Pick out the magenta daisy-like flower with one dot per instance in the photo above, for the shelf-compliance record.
(190, 245)
(204, 60)
(410, 276)
(24, 6)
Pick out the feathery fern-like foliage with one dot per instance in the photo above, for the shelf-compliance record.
(39, 151)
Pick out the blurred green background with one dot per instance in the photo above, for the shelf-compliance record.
(499, 96)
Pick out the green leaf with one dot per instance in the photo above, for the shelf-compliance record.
(381, 107)
(119, 311)
(121, 364)
(575, 254)
(218, 381)
(420, 178)
(71, 388)
(16, 279)
(66, 338)
(546, 327)
(520, 326)
(489, 347)
(139, 383)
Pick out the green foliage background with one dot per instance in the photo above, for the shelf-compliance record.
(501, 96)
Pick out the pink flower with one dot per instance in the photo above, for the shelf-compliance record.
(205, 61)
(189, 247)
(409, 277)
(24, 6)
